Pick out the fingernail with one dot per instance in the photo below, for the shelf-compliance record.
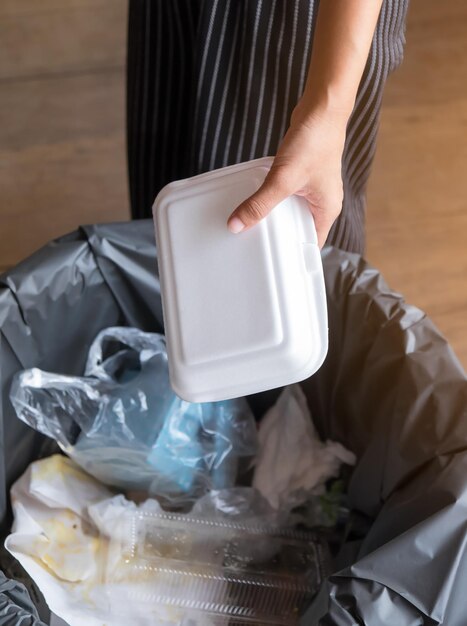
(235, 225)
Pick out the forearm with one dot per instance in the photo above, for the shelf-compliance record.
(309, 159)
(343, 35)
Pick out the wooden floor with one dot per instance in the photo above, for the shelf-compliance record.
(62, 147)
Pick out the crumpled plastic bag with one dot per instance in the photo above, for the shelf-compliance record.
(293, 463)
(125, 426)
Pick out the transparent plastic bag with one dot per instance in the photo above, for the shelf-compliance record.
(124, 425)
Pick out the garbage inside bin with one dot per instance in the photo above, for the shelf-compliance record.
(99, 558)
(391, 390)
(124, 425)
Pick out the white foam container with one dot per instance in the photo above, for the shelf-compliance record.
(243, 313)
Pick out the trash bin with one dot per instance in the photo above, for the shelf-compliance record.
(391, 390)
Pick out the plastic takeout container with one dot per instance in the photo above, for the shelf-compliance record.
(243, 313)
(234, 572)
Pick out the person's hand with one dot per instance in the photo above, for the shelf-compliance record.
(308, 164)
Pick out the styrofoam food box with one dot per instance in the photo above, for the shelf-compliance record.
(243, 313)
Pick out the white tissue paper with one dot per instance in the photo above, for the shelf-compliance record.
(292, 462)
(62, 536)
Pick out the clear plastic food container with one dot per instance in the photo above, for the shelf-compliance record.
(218, 571)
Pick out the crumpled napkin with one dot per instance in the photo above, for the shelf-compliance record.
(292, 462)
(62, 536)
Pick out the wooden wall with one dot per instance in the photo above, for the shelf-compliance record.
(62, 140)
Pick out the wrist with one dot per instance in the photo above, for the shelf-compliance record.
(324, 106)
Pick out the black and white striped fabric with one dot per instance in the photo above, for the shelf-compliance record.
(214, 82)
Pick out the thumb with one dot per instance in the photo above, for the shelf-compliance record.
(256, 207)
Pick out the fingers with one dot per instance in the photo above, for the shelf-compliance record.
(325, 205)
(271, 193)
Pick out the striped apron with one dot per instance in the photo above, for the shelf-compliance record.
(214, 82)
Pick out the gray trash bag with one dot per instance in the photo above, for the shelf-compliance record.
(16, 607)
(391, 390)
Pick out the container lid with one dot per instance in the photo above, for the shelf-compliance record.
(243, 313)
